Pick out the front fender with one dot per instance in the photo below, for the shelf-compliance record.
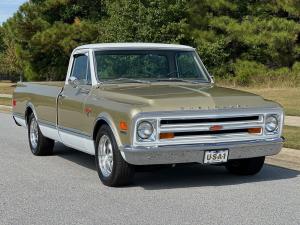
(111, 123)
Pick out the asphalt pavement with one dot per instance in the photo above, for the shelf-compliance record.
(65, 189)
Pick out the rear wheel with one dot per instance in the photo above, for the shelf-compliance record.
(112, 169)
(39, 144)
(249, 166)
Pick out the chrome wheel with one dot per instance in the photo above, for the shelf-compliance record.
(34, 133)
(105, 156)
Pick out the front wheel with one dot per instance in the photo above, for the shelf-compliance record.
(111, 167)
(39, 144)
(249, 166)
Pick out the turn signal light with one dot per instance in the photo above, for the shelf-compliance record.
(256, 130)
(166, 135)
(123, 126)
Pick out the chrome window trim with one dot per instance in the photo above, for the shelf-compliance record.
(199, 61)
(89, 53)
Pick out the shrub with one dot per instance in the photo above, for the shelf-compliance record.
(248, 72)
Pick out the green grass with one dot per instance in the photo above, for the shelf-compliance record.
(5, 101)
(7, 88)
(289, 98)
(292, 135)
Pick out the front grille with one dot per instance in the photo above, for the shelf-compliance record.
(195, 133)
(185, 130)
(209, 120)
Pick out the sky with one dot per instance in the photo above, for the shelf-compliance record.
(8, 8)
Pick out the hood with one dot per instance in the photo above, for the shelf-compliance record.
(168, 97)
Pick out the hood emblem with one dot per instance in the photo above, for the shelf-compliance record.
(216, 128)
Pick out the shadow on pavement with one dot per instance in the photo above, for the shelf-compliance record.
(75, 156)
(182, 176)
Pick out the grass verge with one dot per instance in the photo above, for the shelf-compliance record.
(5, 101)
(7, 88)
(289, 98)
(291, 135)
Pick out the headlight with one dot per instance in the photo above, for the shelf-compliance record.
(271, 124)
(145, 130)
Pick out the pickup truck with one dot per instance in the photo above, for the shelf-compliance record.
(133, 104)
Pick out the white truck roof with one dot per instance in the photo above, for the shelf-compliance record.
(134, 46)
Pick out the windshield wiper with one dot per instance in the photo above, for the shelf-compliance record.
(131, 80)
(173, 72)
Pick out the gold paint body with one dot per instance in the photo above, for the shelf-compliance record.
(122, 102)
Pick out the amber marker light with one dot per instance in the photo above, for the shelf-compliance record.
(123, 126)
(166, 135)
(256, 130)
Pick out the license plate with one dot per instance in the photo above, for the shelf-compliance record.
(215, 156)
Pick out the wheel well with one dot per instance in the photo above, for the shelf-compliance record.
(99, 124)
(28, 112)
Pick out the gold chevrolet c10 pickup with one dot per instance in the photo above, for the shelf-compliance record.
(132, 104)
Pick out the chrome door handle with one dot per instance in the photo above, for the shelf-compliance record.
(84, 90)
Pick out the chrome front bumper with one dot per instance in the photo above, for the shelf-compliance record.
(195, 152)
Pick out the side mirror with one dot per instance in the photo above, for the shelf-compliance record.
(212, 78)
(73, 81)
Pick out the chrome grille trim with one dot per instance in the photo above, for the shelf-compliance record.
(207, 114)
(206, 126)
(189, 127)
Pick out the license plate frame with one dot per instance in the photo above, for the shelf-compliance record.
(216, 156)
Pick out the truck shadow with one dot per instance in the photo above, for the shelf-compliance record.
(182, 176)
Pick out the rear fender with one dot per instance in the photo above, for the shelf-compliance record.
(29, 106)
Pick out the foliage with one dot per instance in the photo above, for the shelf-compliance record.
(10, 63)
(245, 41)
(145, 21)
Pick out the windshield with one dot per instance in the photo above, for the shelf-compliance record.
(150, 66)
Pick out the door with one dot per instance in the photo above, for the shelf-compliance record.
(71, 103)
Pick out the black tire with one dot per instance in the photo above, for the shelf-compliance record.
(249, 166)
(44, 146)
(122, 173)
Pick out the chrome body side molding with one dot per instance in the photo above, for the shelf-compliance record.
(72, 139)
(20, 120)
(49, 130)
(77, 141)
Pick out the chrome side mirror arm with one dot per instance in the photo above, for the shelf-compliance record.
(212, 78)
(73, 81)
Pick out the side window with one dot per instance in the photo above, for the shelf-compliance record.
(81, 69)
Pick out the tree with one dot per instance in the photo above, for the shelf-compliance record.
(227, 31)
(146, 21)
(45, 32)
(230, 35)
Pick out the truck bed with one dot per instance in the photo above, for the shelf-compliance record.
(44, 97)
